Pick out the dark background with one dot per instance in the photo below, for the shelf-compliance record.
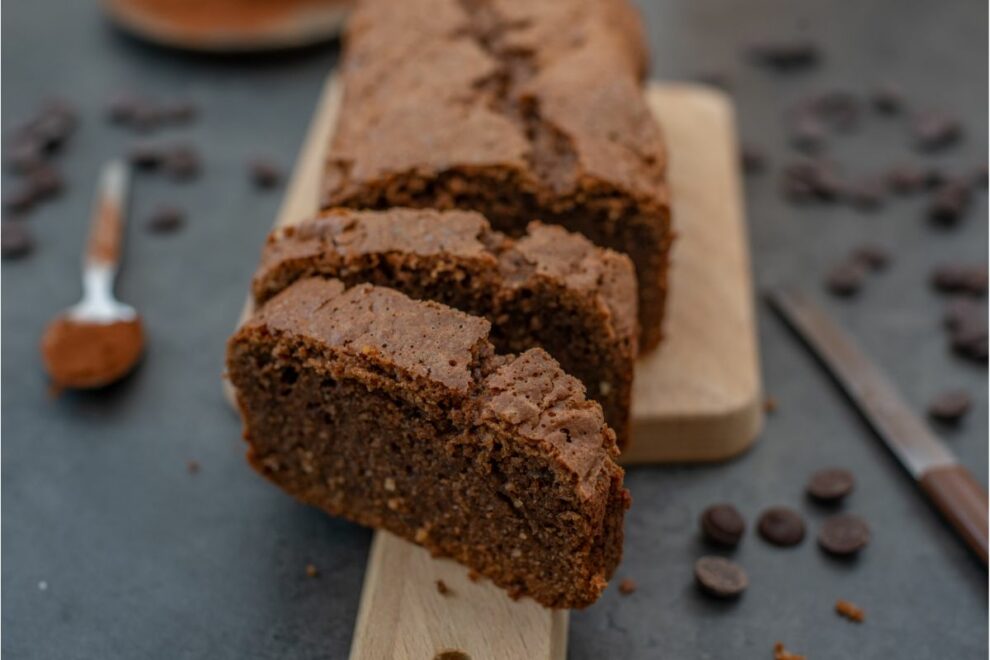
(142, 559)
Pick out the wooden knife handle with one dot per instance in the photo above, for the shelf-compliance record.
(962, 501)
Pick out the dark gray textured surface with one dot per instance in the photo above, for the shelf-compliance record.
(143, 560)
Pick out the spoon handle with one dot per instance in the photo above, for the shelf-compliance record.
(107, 227)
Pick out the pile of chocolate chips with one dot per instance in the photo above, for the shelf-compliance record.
(29, 156)
(723, 526)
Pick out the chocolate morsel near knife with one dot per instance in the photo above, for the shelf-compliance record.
(960, 499)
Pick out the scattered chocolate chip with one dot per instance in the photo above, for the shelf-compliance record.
(311, 571)
(754, 159)
(145, 117)
(442, 588)
(907, 179)
(722, 524)
(720, 577)
(166, 220)
(264, 173)
(843, 534)
(871, 256)
(182, 163)
(887, 98)
(781, 653)
(957, 278)
(933, 131)
(120, 108)
(950, 406)
(970, 342)
(23, 155)
(839, 109)
(781, 526)
(830, 485)
(19, 198)
(146, 155)
(785, 54)
(810, 180)
(866, 195)
(850, 611)
(845, 279)
(192, 466)
(15, 240)
(627, 586)
(949, 203)
(964, 312)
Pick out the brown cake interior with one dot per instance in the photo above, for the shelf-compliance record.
(551, 289)
(497, 462)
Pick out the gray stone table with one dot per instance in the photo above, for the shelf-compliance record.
(112, 549)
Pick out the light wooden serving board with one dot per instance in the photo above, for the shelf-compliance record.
(697, 398)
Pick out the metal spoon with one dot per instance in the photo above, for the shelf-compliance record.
(98, 340)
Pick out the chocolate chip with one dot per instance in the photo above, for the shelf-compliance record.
(871, 256)
(950, 406)
(146, 155)
(845, 279)
(964, 312)
(785, 54)
(442, 588)
(720, 577)
(19, 198)
(907, 179)
(956, 278)
(264, 173)
(723, 524)
(830, 485)
(120, 108)
(182, 163)
(970, 341)
(15, 239)
(887, 98)
(933, 131)
(839, 109)
(754, 159)
(166, 220)
(844, 534)
(145, 117)
(781, 526)
(949, 203)
(24, 154)
(810, 180)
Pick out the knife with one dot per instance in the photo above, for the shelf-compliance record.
(960, 499)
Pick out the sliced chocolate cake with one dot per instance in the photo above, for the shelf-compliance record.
(397, 414)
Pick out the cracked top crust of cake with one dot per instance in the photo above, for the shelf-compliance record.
(549, 90)
(438, 352)
(545, 251)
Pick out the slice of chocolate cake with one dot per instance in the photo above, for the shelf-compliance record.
(551, 288)
(519, 110)
(397, 414)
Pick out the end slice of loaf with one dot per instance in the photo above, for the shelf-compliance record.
(397, 414)
(551, 288)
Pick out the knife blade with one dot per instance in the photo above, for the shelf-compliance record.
(951, 487)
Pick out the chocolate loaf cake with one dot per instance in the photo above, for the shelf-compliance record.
(551, 288)
(397, 414)
(519, 110)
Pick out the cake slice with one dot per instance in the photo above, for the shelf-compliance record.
(397, 414)
(551, 288)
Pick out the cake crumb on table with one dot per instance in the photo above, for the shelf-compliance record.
(850, 611)
(442, 588)
(192, 466)
(780, 653)
(770, 405)
(627, 586)
(311, 571)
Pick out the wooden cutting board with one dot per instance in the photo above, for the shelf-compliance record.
(698, 398)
